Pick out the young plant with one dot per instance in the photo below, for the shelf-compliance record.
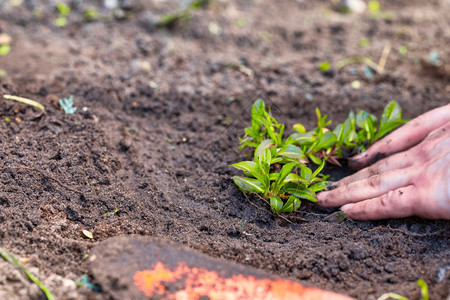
(278, 171)
(264, 127)
(423, 289)
(355, 134)
(282, 190)
(64, 12)
(67, 105)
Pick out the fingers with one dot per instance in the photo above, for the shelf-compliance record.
(368, 188)
(399, 203)
(403, 138)
(397, 161)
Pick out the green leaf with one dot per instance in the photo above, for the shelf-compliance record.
(424, 289)
(388, 127)
(299, 128)
(367, 122)
(314, 159)
(4, 49)
(275, 204)
(297, 203)
(394, 296)
(274, 176)
(285, 170)
(305, 172)
(199, 4)
(320, 186)
(392, 111)
(292, 204)
(324, 66)
(258, 108)
(363, 117)
(318, 170)
(327, 140)
(288, 205)
(303, 138)
(248, 185)
(260, 150)
(303, 194)
(246, 166)
(263, 178)
(291, 151)
(292, 177)
(63, 8)
(345, 132)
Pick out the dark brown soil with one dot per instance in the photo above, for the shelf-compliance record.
(159, 113)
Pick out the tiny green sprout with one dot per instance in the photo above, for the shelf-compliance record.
(64, 12)
(61, 22)
(364, 42)
(5, 49)
(67, 105)
(423, 288)
(403, 50)
(374, 7)
(241, 22)
(199, 4)
(91, 14)
(64, 9)
(324, 66)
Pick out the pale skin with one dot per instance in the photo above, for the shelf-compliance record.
(412, 180)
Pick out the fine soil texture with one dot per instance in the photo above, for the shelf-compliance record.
(160, 107)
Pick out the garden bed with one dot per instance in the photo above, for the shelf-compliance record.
(159, 113)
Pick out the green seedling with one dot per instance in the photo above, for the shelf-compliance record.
(91, 14)
(403, 50)
(364, 42)
(278, 171)
(182, 16)
(423, 288)
(282, 190)
(5, 49)
(25, 101)
(355, 133)
(15, 262)
(67, 105)
(64, 12)
(263, 127)
(325, 66)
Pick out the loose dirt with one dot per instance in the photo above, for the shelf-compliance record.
(159, 113)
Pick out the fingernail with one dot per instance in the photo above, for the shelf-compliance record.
(322, 195)
(347, 207)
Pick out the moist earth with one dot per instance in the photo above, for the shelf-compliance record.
(159, 113)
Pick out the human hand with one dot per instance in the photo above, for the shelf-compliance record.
(414, 179)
